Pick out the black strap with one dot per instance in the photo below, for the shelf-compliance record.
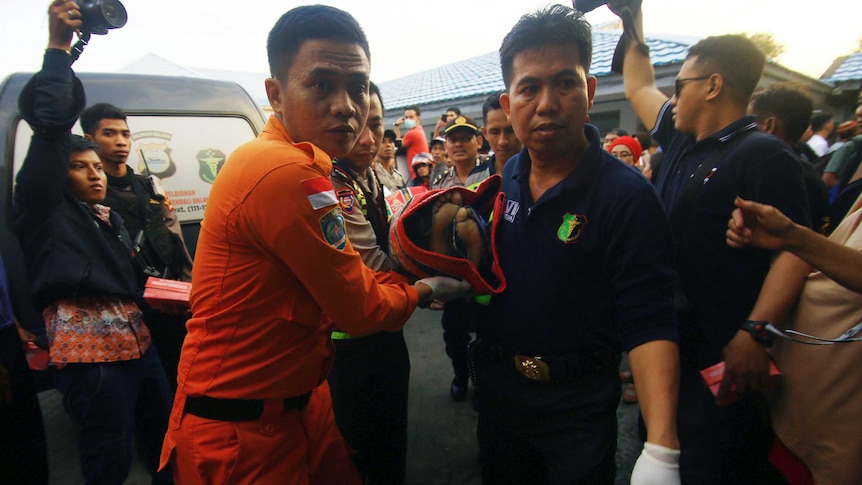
(236, 409)
(852, 163)
(629, 34)
(682, 208)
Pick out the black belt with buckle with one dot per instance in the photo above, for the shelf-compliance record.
(554, 369)
(236, 409)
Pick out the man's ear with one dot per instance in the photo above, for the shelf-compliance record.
(89, 137)
(273, 93)
(591, 91)
(770, 125)
(716, 86)
(504, 103)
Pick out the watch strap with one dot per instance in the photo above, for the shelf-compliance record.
(758, 330)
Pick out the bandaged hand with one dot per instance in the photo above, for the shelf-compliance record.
(657, 465)
(444, 288)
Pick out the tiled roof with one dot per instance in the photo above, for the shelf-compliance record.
(848, 68)
(481, 75)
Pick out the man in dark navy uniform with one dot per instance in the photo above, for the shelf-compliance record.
(581, 287)
(713, 154)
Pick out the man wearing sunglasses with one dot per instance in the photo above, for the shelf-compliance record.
(713, 153)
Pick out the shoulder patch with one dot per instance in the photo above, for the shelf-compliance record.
(332, 227)
(346, 199)
(320, 192)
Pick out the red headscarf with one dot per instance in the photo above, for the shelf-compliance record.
(634, 146)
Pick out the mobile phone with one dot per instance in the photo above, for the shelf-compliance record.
(443, 117)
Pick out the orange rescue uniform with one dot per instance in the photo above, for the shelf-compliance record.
(273, 269)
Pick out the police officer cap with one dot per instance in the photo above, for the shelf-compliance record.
(462, 122)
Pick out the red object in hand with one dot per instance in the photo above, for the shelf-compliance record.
(37, 357)
(160, 292)
(713, 376)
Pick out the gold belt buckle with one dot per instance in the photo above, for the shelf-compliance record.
(532, 368)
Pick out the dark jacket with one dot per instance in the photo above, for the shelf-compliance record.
(68, 252)
(162, 247)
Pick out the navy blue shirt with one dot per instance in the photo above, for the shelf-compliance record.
(6, 318)
(722, 283)
(588, 266)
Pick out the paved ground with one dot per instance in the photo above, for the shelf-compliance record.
(442, 435)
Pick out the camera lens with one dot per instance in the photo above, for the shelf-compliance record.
(114, 13)
(99, 16)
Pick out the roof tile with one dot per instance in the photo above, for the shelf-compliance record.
(482, 74)
(849, 70)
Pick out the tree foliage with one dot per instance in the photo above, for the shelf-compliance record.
(771, 48)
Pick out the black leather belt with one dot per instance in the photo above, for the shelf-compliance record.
(236, 409)
(554, 369)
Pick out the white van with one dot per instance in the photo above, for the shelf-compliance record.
(182, 128)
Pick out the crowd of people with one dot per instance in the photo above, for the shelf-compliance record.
(726, 233)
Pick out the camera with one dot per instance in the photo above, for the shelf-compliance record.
(99, 16)
(590, 5)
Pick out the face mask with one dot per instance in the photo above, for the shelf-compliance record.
(409, 124)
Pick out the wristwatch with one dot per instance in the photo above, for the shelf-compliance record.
(757, 329)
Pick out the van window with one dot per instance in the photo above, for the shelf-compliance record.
(185, 152)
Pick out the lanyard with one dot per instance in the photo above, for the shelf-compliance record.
(804, 338)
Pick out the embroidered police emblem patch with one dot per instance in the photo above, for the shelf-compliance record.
(346, 199)
(572, 228)
(332, 226)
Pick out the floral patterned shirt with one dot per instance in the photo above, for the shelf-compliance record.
(95, 329)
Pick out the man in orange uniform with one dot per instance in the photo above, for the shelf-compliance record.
(274, 268)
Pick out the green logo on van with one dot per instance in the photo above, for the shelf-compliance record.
(211, 161)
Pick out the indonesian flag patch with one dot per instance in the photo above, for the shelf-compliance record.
(320, 192)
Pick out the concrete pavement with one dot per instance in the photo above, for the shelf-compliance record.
(441, 434)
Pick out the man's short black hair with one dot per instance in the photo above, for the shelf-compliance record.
(644, 138)
(739, 61)
(492, 103)
(618, 131)
(552, 25)
(309, 22)
(79, 144)
(414, 108)
(456, 109)
(92, 116)
(374, 90)
(436, 141)
(820, 119)
(788, 102)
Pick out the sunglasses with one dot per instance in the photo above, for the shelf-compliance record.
(680, 82)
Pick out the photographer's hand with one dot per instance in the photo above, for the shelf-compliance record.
(64, 19)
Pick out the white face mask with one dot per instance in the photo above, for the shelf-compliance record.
(409, 124)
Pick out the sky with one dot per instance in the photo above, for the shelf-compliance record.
(408, 36)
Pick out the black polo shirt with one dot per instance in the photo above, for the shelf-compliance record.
(722, 283)
(588, 266)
